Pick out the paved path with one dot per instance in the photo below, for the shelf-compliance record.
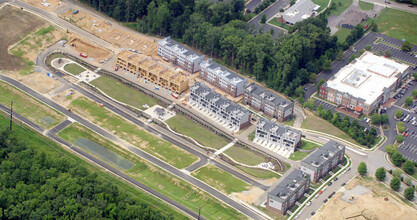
(223, 149)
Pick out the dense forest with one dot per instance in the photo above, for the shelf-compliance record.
(39, 185)
(221, 31)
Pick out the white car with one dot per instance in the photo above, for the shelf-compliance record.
(308, 203)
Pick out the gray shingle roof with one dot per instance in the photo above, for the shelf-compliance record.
(286, 188)
(263, 94)
(324, 153)
(301, 10)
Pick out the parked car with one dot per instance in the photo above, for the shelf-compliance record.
(308, 203)
(343, 184)
(330, 183)
(325, 200)
(320, 192)
(335, 179)
(313, 212)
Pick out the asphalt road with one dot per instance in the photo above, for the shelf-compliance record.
(269, 13)
(138, 152)
(253, 4)
(22, 119)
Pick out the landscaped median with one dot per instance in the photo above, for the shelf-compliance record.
(132, 133)
(148, 174)
(29, 107)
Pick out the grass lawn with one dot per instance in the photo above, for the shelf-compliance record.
(53, 57)
(315, 123)
(123, 93)
(245, 156)
(132, 133)
(273, 21)
(220, 179)
(48, 146)
(342, 34)
(74, 68)
(398, 24)
(366, 5)
(29, 107)
(187, 127)
(251, 136)
(323, 4)
(307, 145)
(341, 6)
(298, 155)
(258, 173)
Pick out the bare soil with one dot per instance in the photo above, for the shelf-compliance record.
(64, 100)
(106, 30)
(53, 4)
(92, 51)
(379, 203)
(15, 24)
(249, 196)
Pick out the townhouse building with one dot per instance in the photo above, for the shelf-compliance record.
(153, 71)
(222, 78)
(320, 162)
(277, 135)
(222, 109)
(288, 192)
(268, 102)
(179, 55)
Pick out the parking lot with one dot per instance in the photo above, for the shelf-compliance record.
(406, 90)
(409, 147)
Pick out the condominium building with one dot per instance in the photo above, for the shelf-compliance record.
(222, 78)
(268, 102)
(153, 71)
(222, 109)
(288, 192)
(364, 84)
(319, 163)
(179, 54)
(277, 136)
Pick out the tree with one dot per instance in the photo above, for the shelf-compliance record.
(309, 104)
(281, 10)
(387, 53)
(399, 113)
(397, 158)
(406, 46)
(368, 47)
(415, 93)
(391, 149)
(375, 28)
(352, 57)
(376, 119)
(301, 99)
(380, 174)
(327, 65)
(299, 91)
(415, 76)
(362, 169)
(384, 119)
(321, 82)
(408, 167)
(397, 173)
(340, 55)
(400, 138)
(395, 183)
(409, 193)
(408, 101)
(263, 19)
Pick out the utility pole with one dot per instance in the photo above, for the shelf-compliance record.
(11, 115)
(199, 209)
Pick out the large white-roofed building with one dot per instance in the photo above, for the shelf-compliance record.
(365, 83)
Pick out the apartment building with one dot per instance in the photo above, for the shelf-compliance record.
(222, 78)
(277, 135)
(288, 192)
(319, 163)
(179, 54)
(153, 71)
(222, 109)
(268, 102)
(364, 84)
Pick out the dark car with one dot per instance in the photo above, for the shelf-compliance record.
(343, 184)
(331, 195)
(312, 213)
(335, 179)
(324, 201)
(330, 183)
(410, 5)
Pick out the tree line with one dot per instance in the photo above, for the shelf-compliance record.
(221, 31)
(36, 184)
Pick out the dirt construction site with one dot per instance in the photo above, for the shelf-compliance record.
(92, 51)
(365, 199)
(107, 31)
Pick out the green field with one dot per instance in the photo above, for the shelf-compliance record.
(342, 34)
(307, 145)
(74, 68)
(315, 123)
(220, 179)
(398, 24)
(123, 93)
(258, 173)
(29, 107)
(43, 144)
(245, 156)
(298, 155)
(341, 6)
(194, 130)
(273, 21)
(135, 135)
(323, 4)
(366, 5)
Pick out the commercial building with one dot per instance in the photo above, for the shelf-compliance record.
(288, 192)
(352, 18)
(179, 55)
(319, 163)
(301, 10)
(152, 70)
(222, 78)
(364, 84)
(224, 111)
(278, 136)
(268, 102)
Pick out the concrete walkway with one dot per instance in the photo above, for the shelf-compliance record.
(223, 149)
